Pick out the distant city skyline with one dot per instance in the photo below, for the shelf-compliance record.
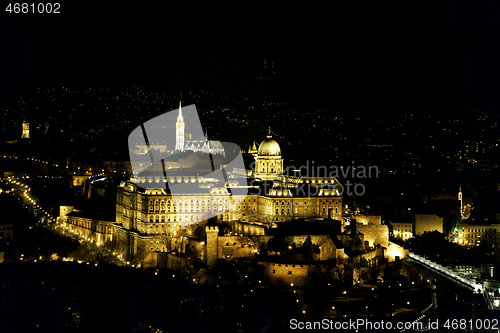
(376, 57)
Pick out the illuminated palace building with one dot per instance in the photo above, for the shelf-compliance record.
(151, 219)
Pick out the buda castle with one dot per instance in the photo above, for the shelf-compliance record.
(154, 218)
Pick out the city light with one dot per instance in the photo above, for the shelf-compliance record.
(144, 184)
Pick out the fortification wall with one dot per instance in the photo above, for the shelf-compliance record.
(427, 223)
(394, 250)
(369, 219)
(375, 234)
(298, 240)
(248, 228)
(172, 261)
(286, 274)
(88, 229)
(230, 247)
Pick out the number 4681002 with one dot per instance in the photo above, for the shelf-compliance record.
(33, 8)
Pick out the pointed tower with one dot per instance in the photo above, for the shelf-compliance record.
(179, 131)
(205, 142)
(461, 203)
(253, 150)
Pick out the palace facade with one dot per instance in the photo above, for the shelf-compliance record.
(156, 220)
(155, 216)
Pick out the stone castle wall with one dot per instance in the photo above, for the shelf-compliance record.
(427, 223)
(247, 229)
(286, 274)
(88, 229)
(374, 234)
(230, 247)
(369, 219)
(394, 250)
(171, 261)
(298, 240)
(64, 210)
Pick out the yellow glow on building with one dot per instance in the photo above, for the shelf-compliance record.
(26, 131)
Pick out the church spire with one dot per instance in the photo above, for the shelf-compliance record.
(269, 132)
(461, 201)
(179, 131)
(253, 150)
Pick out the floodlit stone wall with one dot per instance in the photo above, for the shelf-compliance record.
(374, 234)
(289, 273)
(369, 219)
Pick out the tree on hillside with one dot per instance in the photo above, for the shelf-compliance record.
(308, 249)
(344, 269)
(280, 243)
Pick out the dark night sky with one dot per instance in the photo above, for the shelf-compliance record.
(355, 56)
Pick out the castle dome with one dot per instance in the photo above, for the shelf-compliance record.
(269, 147)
